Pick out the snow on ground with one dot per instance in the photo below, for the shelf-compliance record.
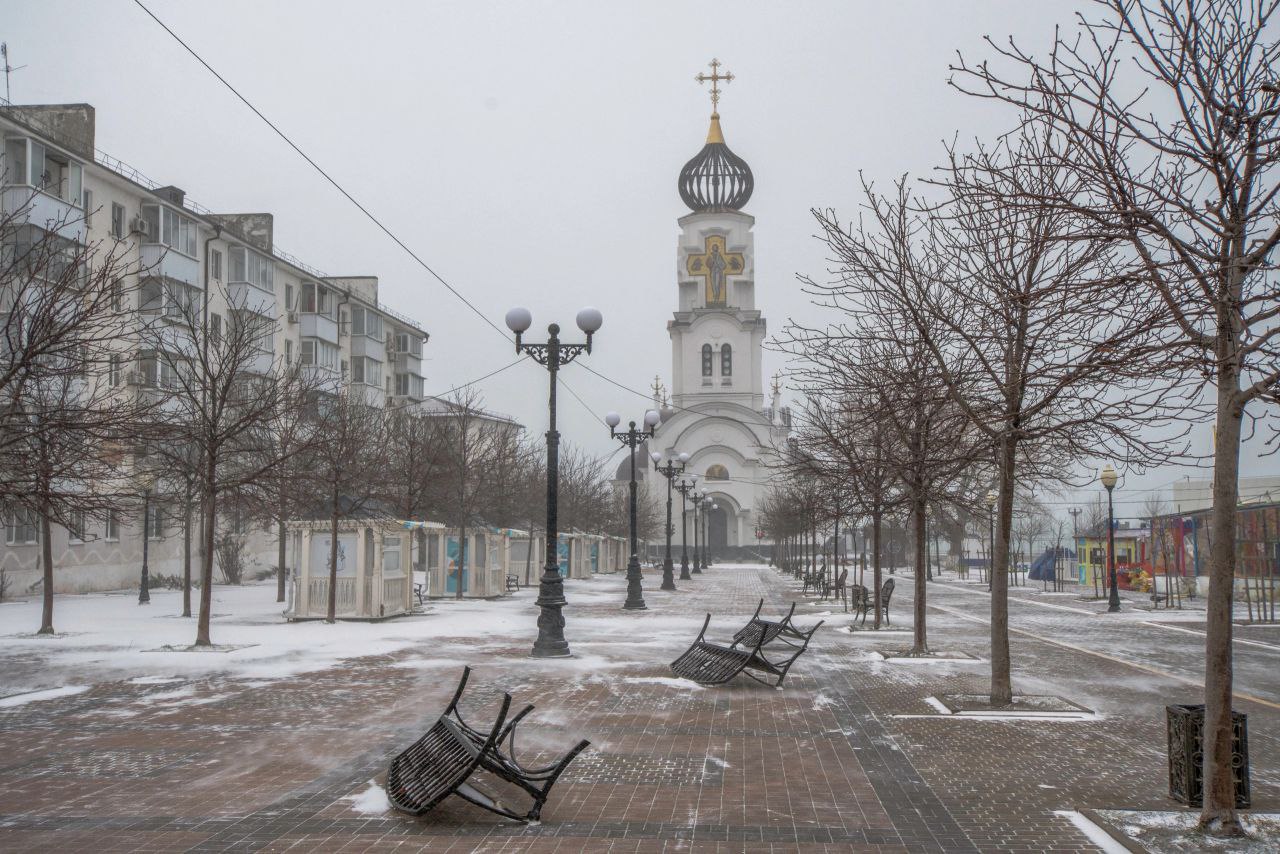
(108, 637)
(372, 801)
(14, 700)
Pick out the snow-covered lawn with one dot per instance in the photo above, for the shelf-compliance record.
(110, 637)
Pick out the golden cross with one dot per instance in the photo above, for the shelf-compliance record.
(715, 77)
(715, 265)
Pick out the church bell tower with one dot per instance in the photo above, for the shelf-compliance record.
(717, 335)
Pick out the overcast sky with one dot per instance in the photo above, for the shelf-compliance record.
(527, 151)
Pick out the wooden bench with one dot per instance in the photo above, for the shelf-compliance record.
(442, 763)
(710, 663)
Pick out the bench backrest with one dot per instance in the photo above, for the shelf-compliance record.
(886, 591)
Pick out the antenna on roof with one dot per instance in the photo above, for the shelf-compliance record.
(4, 57)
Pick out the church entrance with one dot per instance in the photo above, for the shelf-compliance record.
(718, 530)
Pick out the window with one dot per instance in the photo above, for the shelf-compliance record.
(113, 369)
(154, 521)
(322, 354)
(22, 528)
(726, 361)
(366, 370)
(717, 472)
(215, 328)
(111, 528)
(288, 352)
(288, 297)
(151, 297)
(365, 322)
(249, 266)
(87, 195)
(706, 360)
(391, 565)
(406, 343)
(215, 264)
(409, 385)
(75, 526)
(117, 221)
(170, 228)
(15, 160)
(28, 162)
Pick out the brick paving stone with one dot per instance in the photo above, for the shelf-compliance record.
(825, 765)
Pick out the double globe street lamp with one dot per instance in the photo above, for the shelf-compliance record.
(551, 642)
(672, 468)
(631, 438)
(699, 522)
(686, 487)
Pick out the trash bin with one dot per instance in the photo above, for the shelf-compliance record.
(1186, 754)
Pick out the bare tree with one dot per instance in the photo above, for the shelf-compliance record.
(1184, 171)
(1036, 334)
(347, 465)
(62, 417)
(216, 386)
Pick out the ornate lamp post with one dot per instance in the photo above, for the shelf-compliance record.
(147, 481)
(669, 471)
(991, 537)
(1108, 478)
(553, 354)
(685, 486)
(631, 439)
(1075, 542)
(706, 532)
(698, 497)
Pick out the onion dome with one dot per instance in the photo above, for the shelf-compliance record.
(716, 179)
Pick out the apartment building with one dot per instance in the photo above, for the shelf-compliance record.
(55, 180)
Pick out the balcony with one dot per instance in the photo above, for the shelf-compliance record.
(318, 326)
(27, 205)
(159, 261)
(247, 296)
(373, 348)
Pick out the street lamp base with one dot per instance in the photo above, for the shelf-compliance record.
(635, 598)
(668, 575)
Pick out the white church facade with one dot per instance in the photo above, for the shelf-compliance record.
(717, 412)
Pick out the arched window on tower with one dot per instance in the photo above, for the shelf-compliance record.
(726, 361)
(717, 472)
(706, 360)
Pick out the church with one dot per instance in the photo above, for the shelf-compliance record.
(717, 411)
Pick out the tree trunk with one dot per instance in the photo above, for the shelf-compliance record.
(876, 525)
(46, 566)
(280, 560)
(920, 646)
(462, 557)
(1218, 814)
(1001, 682)
(186, 554)
(208, 524)
(333, 558)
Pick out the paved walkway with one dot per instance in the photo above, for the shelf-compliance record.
(849, 757)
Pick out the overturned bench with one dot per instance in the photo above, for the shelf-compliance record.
(710, 663)
(765, 631)
(443, 761)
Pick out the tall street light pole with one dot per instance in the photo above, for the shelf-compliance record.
(1075, 541)
(553, 354)
(991, 537)
(698, 497)
(706, 532)
(685, 486)
(144, 587)
(1109, 478)
(631, 439)
(669, 471)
